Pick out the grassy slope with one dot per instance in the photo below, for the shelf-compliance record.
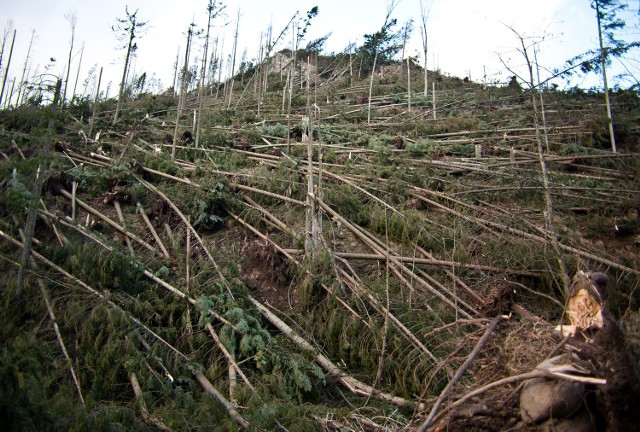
(410, 184)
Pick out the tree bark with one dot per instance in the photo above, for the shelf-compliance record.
(603, 64)
(6, 70)
(132, 30)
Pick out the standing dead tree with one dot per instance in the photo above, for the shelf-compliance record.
(126, 27)
(376, 42)
(21, 87)
(72, 18)
(523, 50)
(95, 103)
(183, 89)
(6, 70)
(75, 85)
(603, 65)
(406, 31)
(233, 59)
(424, 17)
(214, 9)
(5, 35)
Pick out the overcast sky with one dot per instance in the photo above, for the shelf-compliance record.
(464, 35)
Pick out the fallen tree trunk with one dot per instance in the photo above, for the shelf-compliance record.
(351, 383)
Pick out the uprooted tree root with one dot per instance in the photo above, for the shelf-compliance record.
(267, 274)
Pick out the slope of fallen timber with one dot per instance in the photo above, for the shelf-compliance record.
(404, 275)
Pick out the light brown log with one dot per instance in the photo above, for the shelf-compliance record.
(137, 391)
(111, 223)
(229, 356)
(385, 312)
(155, 235)
(486, 224)
(116, 204)
(356, 230)
(52, 316)
(351, 383)
(209, 388)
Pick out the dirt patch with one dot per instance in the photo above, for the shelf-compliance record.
(57, 181)
(117, 193)
(267, 274)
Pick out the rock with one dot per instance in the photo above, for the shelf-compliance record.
(581, 422)
(542, 399)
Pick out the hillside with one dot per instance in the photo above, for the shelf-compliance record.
(241, 282)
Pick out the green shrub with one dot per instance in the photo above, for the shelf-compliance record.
(422, 147)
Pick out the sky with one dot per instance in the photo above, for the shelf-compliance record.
(465, 36)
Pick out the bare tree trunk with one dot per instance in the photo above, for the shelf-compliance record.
(183, 91)
(390, 7)
(408, 85)
(373, 71)
(408, 27)
(257, 84)
(124, 75)
(548, 214)
(75, 85)
(10, 94)
(220, 66)
(211, 10)
(284, 93)
(175, 73)
(233, 60)
(6, 71)
(542, 110)
(5, 36)
(213, 64)
(424, 16)
(267, 60)
(603, 63)
(24, 69)
(433, 93)
(95, 103)
(350, 61)
(73, 21)
(22, 95)
(312, 224)
(132, 24)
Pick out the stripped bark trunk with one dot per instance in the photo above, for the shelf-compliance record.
(352, 384)
(22, 86)
(75, 85)
(95, 103)
(137, 391)
(52, 316)
(605, 84)
(183, 92)
(6, 69)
